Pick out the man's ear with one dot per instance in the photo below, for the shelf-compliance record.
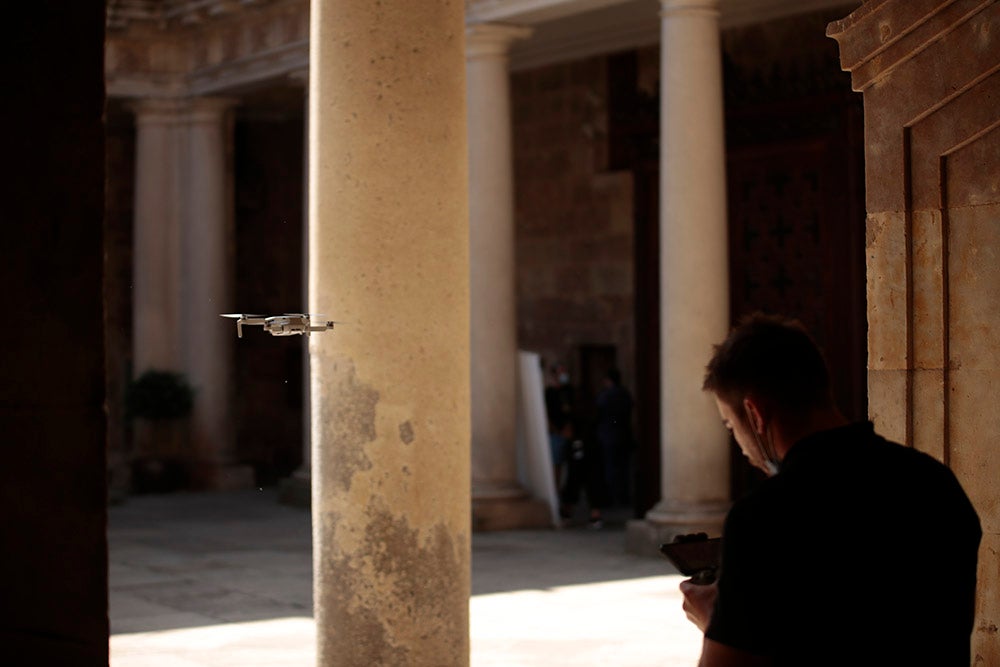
(752, 408)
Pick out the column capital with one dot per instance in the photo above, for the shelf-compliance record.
(689, 7)
(492, 40)
(173, 110)
(157, 110)
(208, 109)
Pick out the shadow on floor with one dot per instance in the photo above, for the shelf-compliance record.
(196, 559)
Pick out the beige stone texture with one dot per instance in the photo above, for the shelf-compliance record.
(886, 261)
(517, 513)
(493, 298)
(883, 44)
(694, 302)
(955, 131)
(887, 403)
(986, 635)
(929, 72)
(390, 387)
(928, 410)
(970, 181)
(974, 423)
(974, 285)
(929, 338)
(574, 219)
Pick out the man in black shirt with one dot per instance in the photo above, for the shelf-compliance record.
(855, 551)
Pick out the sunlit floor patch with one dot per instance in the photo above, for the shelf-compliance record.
(627, 623)
(271, 643)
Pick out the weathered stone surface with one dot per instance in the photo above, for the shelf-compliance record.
(928, 408)
(887, 398)
(887, 267)
(908, 57)
(974, 455)
(574, 220)
(929, 336)
(929, 72)
(974, 286)
(389, 254)
(986, 643)
(946, 140)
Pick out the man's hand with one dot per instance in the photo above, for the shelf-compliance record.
(699, 599)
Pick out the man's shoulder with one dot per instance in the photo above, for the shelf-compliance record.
(762, 506)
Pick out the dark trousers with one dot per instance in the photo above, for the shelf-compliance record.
(584, 475)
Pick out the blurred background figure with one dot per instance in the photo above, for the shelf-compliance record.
(559, 410)
(614, 436)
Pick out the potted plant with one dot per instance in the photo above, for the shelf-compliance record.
(159, 404)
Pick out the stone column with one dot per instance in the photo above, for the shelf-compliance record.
(498, 499)
(156, 302)
(694, 277)
(206, 290)
(388, 214)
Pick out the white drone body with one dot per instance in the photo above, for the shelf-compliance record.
(288, 324)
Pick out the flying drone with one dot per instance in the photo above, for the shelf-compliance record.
(288, 324)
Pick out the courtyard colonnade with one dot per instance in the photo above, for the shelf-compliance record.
(414, 266)
(171, 156)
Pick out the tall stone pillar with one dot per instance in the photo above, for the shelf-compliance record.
(388, 214)
(694, 277)
(206, 291)
(498, 499)
(157, 250)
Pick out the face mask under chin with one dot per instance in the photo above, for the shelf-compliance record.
(767, 454)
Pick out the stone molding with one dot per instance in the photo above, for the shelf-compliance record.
(123, 13)
(492, 40)
(586, 29)
(530, 11)
(204, 47)
(244, 44)
(919, 128)
(709, 8)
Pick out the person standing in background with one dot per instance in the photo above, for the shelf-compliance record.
(559, 411)
(614, 436)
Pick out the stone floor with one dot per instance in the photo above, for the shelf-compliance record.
(213, 580)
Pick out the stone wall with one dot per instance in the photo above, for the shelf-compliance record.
(930, 73)
(574, 218)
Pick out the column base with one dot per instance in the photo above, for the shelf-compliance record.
(296, 490)
(643, 537)
(218, 476)
(510, 513)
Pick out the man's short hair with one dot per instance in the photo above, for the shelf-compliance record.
(773, 359)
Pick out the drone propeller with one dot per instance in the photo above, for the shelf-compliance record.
(238, 315)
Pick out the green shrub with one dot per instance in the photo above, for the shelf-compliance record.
(159, 395)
